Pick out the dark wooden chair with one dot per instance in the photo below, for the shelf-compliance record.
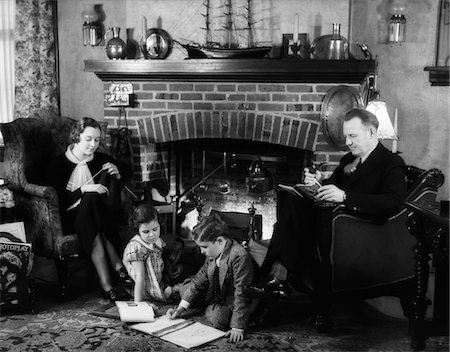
(370, 259)
(29, 145)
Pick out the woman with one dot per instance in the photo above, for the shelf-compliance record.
(86, 183)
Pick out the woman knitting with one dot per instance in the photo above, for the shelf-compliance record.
(86, 183)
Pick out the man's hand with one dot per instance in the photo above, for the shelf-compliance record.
(310, 178)
(331, 193)
(173, 313)
(111, 169)
(235, 335)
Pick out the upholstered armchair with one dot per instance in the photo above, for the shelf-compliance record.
(29, 145)
(370, 259)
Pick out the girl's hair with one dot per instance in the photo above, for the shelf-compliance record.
(143, 214)
(209, 228)
(80, 127)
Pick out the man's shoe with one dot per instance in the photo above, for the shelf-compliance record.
(272, 287)
(123, 278)
(323, 323)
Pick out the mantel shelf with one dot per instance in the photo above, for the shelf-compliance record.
(439, 75)
(243, 70)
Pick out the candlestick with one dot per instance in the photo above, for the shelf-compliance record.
(395, 141)
(144, 29)
(295, 29)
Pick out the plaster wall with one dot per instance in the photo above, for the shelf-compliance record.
(423, 111)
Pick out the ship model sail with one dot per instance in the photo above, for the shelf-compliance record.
(231, 49)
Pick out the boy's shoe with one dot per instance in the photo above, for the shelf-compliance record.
(273, 287)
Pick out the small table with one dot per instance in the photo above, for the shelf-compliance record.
(429, 224)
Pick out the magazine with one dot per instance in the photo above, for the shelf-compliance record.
(181, 332)
(16, 262)
(308, 191)
(135, 312)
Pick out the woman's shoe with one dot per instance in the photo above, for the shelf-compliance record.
(123, 278)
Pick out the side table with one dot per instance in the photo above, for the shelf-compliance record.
(429, 224)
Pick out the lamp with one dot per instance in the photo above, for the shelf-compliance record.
(92, 29)
(385, 128)
(397, 26)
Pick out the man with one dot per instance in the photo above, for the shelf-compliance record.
(369, 182)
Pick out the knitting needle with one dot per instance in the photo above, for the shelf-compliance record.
(98, 172)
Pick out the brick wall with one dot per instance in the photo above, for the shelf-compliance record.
(279, 113)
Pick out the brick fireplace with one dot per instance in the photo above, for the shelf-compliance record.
(272, 103)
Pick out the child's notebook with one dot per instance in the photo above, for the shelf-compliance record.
(182, 332)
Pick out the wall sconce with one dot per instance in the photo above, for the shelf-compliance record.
(92, 28)
(397, 26)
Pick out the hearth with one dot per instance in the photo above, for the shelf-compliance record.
(226, 167)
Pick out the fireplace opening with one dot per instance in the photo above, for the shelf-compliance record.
(221, 173)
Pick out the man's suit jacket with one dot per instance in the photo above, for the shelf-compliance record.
(236, 269)
(377, 188)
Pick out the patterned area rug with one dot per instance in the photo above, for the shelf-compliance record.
(70, 327)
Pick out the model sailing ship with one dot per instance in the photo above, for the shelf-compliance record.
(231, 49)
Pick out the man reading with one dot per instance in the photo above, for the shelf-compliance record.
(369, 181)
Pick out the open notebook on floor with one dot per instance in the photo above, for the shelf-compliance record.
(181, 332)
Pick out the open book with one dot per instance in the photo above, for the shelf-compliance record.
(308, 191)
(181, 332)
(135, 312)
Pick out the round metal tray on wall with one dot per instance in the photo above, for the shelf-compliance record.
(337, 102)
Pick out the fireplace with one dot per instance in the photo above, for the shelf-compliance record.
(221, 174)
(188, 115)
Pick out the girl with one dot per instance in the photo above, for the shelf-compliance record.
(86, 183)
(144, 257)
(227, 268)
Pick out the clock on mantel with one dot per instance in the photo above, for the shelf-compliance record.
(234, 70)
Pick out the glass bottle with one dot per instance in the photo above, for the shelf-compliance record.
(116, 48)
(338, 46)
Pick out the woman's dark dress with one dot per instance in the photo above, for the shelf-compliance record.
(97, 213)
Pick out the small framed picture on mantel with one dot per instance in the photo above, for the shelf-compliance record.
(295, 47)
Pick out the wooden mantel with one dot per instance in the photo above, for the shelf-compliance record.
(243, 70)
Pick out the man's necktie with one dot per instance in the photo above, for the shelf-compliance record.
(351, 168)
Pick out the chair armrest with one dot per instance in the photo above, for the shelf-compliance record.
(366, 253)
(32, 189)
(38, 207)
(46, 192)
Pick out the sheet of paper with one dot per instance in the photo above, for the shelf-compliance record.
(187, 334)
(194, 335)
(157, 325)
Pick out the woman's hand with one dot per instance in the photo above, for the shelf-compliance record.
(331, 193)
(235, 335)
(310, 178)
(111, 169)
(94, 188)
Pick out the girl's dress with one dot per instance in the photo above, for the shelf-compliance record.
(152, 256)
